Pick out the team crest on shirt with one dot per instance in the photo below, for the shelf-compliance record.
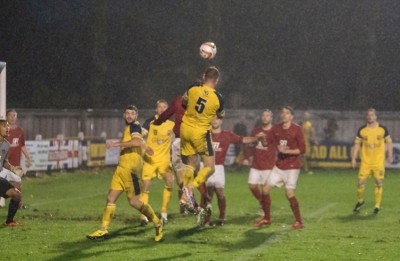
(206, 92)
(155, 132)
(216, 146)
(15, 141)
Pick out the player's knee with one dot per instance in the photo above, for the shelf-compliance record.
(378, 183)
(135, 202)
(15, 194)
(111, 199)
(361, 183)
(252, 186)
(220, 194)
(289, 193)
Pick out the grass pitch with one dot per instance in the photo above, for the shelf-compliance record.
(65, 207)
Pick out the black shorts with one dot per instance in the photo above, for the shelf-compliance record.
(4, 187)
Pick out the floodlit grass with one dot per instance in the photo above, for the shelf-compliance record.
(65, 207)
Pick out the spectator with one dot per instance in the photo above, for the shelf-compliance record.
(309, 139)
(330, 129)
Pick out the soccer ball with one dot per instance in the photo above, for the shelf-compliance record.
(208, 50)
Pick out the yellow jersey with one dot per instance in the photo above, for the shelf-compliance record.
(203, 104)
(372, 142)
(307, 127)
(131, 157)
(159, 139)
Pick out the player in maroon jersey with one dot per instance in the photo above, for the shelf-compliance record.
(16, 138)
(221, 140)
(289, 140)
(264, 157)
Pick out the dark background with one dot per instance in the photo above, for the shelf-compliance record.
(321, 54)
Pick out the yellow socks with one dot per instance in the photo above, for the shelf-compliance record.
(187, 175)
(202, 176)
(378, 196)
(144, 197)
(360, 194)
(108, 214)
(166, 198)
(148, 211)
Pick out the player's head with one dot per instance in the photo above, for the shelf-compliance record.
(211, 75)
(306, 115)
(11, 116)
(287, 114)
(161, 106)
(266, 117)
(4, 128)
(216, 123)
(131, 114)
(371, 115)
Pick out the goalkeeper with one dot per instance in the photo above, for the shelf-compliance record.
(7, 190)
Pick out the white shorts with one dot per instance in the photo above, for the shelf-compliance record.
(176, 159)
(10, 176)
(217, 179)
(258, 176)
(280, 177)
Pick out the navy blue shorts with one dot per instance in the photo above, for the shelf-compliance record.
(4, 187)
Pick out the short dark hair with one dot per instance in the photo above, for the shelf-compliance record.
(132, 107)
(211, 73)
(10, 110)
(289, 108)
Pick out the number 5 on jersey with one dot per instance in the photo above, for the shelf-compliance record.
(200, 105)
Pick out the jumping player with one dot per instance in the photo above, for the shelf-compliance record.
(289, 139)
(125, 176)
(203, 103)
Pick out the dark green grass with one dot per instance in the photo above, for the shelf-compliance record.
(67, 206)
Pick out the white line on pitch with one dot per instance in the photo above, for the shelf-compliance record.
(269, 241)
(65, 199)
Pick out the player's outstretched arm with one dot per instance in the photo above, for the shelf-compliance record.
(134, 142)
(249, 139)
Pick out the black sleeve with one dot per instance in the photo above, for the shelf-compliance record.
(146, 124)
(135, 128)
(221, 110)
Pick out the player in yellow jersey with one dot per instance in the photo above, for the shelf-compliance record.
(125, 176)
(371, 139)
(159, 139)
(203, 103)
(309, 139)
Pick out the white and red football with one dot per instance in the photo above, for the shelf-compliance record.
(208, 50)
